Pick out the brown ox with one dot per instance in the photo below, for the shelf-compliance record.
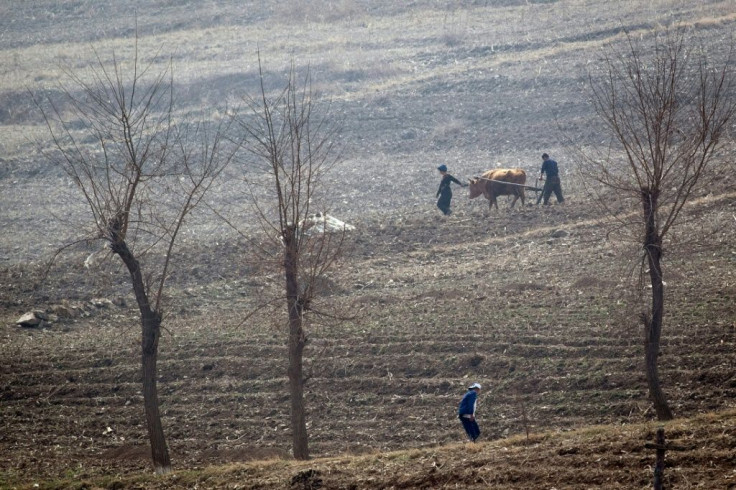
(491, 185)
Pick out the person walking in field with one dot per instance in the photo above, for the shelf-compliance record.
(466, 412)
(444, 193)
(552, 184)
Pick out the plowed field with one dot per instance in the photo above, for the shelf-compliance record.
(539, 304)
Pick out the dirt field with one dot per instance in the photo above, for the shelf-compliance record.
(538, 304)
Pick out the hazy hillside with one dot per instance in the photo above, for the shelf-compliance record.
(470, 86)
(540, 305)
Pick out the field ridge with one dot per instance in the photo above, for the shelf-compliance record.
(604, 456)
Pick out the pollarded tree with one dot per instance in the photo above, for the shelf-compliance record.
(667, 105)
(292, 148)
(141, 169)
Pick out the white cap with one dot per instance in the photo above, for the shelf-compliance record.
(473, 386)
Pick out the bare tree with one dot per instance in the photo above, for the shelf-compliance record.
(293, 148)
(141, 172)
(667, 107)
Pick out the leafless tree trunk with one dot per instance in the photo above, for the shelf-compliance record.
(297, 342)
(667, 109)
(150, 333)
(141, 174)
(292, 147)
(653, 323)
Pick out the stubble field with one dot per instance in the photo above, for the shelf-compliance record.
(540, 305)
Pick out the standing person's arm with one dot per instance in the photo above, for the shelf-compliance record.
(453, 179)
(474, 399)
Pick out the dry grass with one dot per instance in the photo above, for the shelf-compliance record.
(596, 456)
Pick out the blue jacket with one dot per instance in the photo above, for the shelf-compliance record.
(467, 404)
(549, 167)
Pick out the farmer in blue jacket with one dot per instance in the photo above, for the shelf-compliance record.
(466, 412)
(552, 184)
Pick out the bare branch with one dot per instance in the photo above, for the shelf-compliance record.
(141, 173)
(292, 146)
(667, 111)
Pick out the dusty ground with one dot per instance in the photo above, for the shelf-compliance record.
(594, 457)
(541, 330)
(538, 304)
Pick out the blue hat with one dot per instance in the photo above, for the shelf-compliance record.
(442, 168)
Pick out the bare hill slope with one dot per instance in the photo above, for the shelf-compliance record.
(538, 304)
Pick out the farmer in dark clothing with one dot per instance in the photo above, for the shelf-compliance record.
(552, 184)
(444, 192)
(466, 412)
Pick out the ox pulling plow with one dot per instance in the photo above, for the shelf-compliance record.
(530, 187)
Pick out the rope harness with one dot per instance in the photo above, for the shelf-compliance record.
(510, 183)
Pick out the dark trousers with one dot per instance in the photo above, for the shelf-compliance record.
(444, 202)
(552, 184)
(471, 428)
